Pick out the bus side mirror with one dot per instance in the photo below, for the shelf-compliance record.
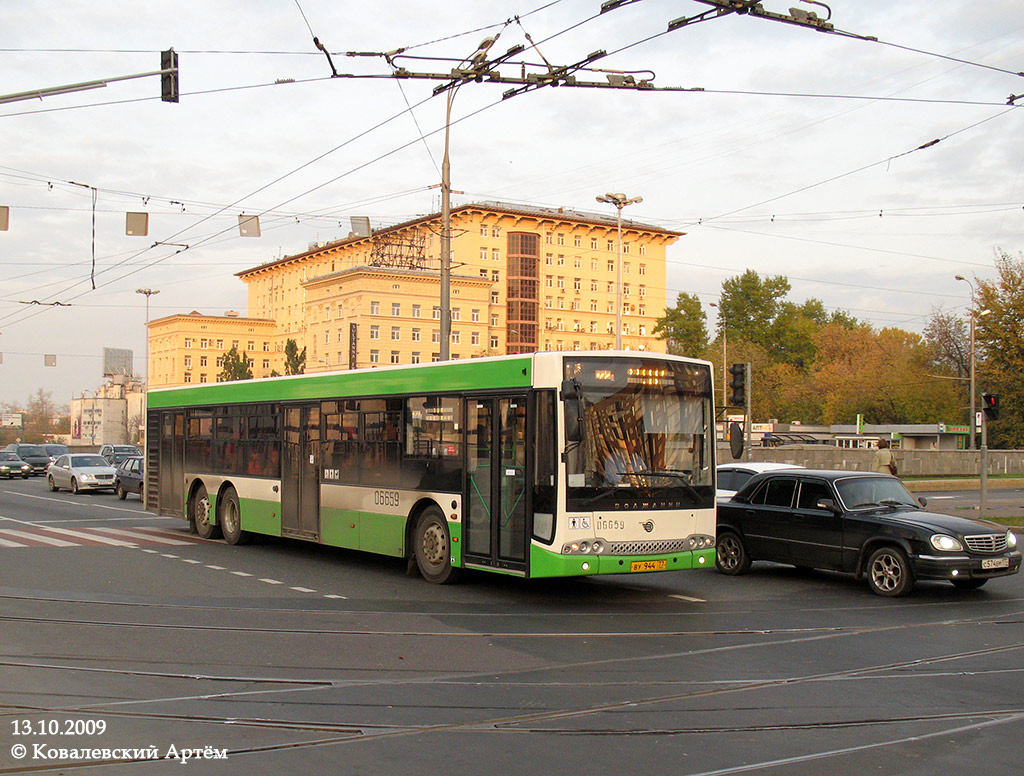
(573, 411)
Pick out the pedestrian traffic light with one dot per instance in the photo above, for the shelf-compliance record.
(990, 404)
(169, 78)
(738, 384)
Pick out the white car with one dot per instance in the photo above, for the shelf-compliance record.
(80, 471)
(733, 476)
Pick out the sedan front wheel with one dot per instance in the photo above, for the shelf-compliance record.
(732, 557)
(889, 572)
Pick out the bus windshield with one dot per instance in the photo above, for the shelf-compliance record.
(638, 428)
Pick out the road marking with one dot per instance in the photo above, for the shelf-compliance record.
(241, 574)
(215, 568)
(689, 598)
(9, 543)
(139, 535)
(91, 537)
(69, 503)
(302, 590)
(37, 538)
(272, 581)
(345, 597)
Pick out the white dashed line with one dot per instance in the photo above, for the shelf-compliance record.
(241, 574)
(302, 590)
(272, 581)
(688, 598)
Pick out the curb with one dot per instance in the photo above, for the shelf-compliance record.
(938, 486)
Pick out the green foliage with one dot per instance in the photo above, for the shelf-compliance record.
(683, 327)
(1000, 343)
(236, 366)
(294, 361)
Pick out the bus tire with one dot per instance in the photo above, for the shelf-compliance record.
(229, 517)
(199, 514)
(432, 547)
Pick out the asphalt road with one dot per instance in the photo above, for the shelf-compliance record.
(966, 503)
(122, 637)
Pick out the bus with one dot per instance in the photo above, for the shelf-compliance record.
(549, 464)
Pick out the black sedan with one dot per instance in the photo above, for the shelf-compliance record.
(862, 523)
(129, 477)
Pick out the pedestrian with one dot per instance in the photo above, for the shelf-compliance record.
(885, 462)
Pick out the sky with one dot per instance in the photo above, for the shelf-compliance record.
(791, 152)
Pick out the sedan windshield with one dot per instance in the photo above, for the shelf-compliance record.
(9, 457)
(869, 492)
(88, 461)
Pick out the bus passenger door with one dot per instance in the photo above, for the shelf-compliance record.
(170, 469)
(300, 472)
(496, 522)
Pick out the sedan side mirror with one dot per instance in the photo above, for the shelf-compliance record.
(830, 505)
(922, 501)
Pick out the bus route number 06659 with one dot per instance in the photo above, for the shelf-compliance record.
(386, 498)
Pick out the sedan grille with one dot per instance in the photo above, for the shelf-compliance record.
(986, 543)
(104, 476)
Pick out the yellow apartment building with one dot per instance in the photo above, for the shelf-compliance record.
(523, 279)
(189, 347)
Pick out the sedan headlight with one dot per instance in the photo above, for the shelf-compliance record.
(946, 543)
(1011, 539)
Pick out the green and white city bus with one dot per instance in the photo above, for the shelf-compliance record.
(539, 465)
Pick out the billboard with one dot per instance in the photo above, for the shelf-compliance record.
(117, 361)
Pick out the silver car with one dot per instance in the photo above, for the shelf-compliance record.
(80, 471)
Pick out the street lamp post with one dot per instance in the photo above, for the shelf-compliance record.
(147, 292)
(973, 389)
(725, 357)
(619, 201)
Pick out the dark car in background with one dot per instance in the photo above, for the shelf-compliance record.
(12, 466)
(129, 477)
(862, 523)
(35, 455)
(55, 450)
(117, 453)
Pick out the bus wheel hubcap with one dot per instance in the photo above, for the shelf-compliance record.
(434, 549)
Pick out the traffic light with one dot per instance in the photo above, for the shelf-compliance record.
(169, 81)
(990, 404)
(738, 384)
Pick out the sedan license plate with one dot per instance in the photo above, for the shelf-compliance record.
(995, 563)
(648, 565)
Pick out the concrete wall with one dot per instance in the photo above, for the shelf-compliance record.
(911, 463)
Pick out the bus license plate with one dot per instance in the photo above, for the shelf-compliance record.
(648, 565)
(995, 563)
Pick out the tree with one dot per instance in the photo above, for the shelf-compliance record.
(684, 327)
(1000, 347)
(236, 366)
(749, 306)
(294, 361)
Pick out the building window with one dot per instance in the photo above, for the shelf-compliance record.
(625, 267)
(220, 344)
(494, 342)
(374, 356)
(611, 287)
(577, 285)
(483, 254)
(220, 362)
(625, 289)
(250, 345)
(475, 316)
(415, 357)
(495, 276)
(561, 282)
(483, 230)
(188, 342)
(593, 243)
(495, 231)
(593, 305)
(327, 337)
(548, 302)
(396, 334)
(188, 377)
(435, 335)
(549, 259)
(456, 338)
(202, 361)
(625, 247)
(396, 309)
(495, 254)
(416, 311)
(611, 245)
(188, 362)
(474, 338)
(456, 314)
(643, 269)
(577, 262)
(548, 238)
(436, 313)
(375, 332)
(374, 308)
(642, 290)
(611, 265)
(577, 241)
(394, 357)
(266, 363)
(494, 297)
(234, 344)
(415, 335)
(204, 343)
(643, 250)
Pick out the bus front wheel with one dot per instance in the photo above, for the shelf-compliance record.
(230, 519)
(432, 547)
(199, 514)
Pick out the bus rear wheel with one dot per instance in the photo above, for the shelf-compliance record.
(199, 514)
(229, 518)
(432, 547)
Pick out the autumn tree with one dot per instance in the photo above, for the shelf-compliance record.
(1000, 344)
(684, 327)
